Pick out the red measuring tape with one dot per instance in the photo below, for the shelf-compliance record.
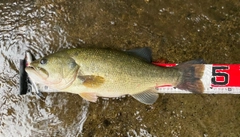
(217, 79)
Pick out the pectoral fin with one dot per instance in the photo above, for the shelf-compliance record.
(147, 97)
(92, 81)
(89, 96)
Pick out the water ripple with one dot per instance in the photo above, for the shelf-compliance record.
(27, 26)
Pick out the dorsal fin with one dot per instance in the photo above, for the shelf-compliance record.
(144, 53)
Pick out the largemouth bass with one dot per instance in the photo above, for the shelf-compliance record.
(95, 72)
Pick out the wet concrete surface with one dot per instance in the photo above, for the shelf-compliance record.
(175, 30)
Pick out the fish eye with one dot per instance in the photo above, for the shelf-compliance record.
(43, 61)
(72, 64)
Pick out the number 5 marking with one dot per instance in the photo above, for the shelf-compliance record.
(216, 74)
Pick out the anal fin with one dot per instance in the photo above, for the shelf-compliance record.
(147, 97)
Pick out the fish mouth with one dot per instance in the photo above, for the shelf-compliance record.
(37, 74)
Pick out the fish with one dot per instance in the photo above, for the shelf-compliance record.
(103, 72)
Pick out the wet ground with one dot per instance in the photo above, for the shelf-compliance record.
(175, 30)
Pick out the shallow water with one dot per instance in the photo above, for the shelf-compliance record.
(175, 30)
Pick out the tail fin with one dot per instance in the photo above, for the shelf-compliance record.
(192, 72)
